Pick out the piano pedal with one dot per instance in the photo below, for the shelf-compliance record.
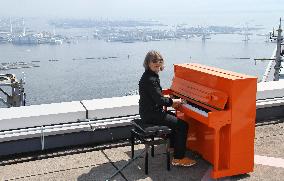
(197, 156)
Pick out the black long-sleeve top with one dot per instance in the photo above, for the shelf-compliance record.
(151, 98)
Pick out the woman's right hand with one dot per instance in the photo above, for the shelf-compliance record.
(176, 103)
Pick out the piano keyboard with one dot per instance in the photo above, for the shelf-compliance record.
(197, 109)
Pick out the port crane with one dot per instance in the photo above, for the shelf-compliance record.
(278, 54)
(18, 96)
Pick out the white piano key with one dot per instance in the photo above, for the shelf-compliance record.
(202, 112)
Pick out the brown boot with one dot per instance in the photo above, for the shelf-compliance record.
(184, 162)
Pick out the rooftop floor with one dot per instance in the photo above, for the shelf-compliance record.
(100, 164)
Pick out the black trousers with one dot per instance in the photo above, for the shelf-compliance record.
(179, 131)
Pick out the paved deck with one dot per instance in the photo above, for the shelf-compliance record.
(100, 164)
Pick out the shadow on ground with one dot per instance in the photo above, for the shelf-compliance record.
(157, 169)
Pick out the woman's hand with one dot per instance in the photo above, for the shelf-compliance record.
(176, 103)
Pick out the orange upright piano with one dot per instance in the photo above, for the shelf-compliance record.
(220, 108)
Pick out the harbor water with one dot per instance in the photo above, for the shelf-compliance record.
(89, 69)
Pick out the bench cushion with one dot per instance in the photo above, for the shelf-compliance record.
(149, 129)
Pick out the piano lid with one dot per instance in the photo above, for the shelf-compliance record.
(211, 70)
(211, 97)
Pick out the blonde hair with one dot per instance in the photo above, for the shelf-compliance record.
(150, 56)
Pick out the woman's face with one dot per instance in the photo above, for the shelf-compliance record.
(155, 65)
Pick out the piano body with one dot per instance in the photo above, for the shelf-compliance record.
(220, 108)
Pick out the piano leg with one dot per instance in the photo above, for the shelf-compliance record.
(216, 149)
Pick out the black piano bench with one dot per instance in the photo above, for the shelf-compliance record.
(150, 135)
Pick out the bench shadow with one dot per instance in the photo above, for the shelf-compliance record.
(157, 169)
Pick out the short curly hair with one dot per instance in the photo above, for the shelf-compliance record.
(150, 56)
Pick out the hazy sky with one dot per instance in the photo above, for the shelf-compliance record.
(203, 10)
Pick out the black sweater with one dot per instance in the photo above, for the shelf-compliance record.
(151, 98)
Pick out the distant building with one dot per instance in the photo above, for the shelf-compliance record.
(27, 39)
(2, 40)
(55, 41)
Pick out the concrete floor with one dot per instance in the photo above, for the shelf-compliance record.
(99, 165)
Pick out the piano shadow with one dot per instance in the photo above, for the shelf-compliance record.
(118, 157)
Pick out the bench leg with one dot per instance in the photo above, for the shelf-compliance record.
(152, 148)
(132, 142)
(168, 155)
(146, 158)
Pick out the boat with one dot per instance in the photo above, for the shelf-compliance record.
(127, 41)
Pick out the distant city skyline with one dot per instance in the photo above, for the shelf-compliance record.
(188, 11)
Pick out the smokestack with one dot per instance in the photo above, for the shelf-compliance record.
(11, 26)
(24, 28)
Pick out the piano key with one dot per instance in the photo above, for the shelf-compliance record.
(197, 109)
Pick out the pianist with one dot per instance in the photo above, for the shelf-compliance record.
(151, 107)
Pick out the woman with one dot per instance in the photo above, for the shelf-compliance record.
(151, 107)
